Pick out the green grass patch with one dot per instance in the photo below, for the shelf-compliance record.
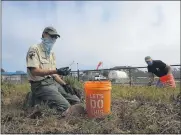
(118, 91)
(144, 93)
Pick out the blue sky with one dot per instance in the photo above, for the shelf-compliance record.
(119, 33)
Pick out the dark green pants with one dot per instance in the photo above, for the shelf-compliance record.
(53, 94)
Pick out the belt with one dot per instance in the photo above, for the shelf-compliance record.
(40, 80)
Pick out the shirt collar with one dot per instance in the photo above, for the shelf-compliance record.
(41, 46)
(43, 49)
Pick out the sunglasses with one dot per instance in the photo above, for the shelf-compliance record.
(53, 36)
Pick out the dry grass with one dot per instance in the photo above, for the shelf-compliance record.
(134, 110)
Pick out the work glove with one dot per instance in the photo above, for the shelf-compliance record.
(68, 89)
(73, 91)
(63, 71)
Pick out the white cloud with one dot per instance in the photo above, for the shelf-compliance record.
(130, 33)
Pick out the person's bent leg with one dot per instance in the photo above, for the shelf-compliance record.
(53, 98)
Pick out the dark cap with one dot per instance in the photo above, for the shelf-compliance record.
(51, 31)
(147, 58)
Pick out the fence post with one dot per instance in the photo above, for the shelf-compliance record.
(78, 74)
(21, 80)
(130, 81)
(10, 81)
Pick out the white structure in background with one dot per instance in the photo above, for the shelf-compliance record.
(118, 76)
(100, 77)
(13, 77)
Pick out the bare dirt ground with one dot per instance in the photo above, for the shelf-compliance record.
(128, 116)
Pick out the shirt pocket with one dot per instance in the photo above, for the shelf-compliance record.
(45, 64)
(52, 61)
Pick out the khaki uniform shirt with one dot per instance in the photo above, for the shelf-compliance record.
(37, 57)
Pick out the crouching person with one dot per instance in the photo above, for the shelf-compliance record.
(161, 70)
(46, 84)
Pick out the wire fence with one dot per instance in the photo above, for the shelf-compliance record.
(122, 75)
(117, 75)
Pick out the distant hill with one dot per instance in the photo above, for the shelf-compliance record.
(20, 72)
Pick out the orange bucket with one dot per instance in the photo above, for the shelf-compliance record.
(98, 98)
(168, 80)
